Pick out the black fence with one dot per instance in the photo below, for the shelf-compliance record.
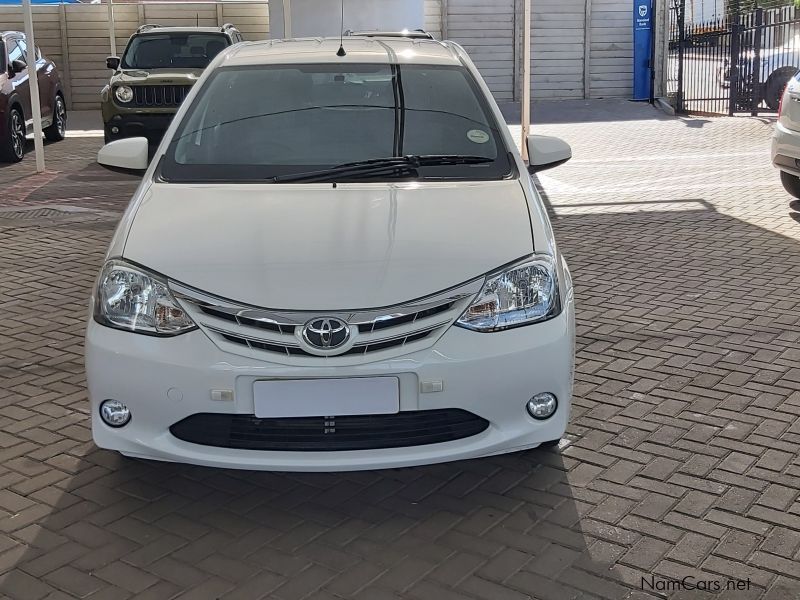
(734, 64)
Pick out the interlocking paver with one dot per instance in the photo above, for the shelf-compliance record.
(682, 454)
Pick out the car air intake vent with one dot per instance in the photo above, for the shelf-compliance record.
(159, 95)
(317, 434)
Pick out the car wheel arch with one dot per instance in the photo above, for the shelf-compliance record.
(15, 102)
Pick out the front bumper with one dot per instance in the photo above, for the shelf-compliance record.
(151, 126)
(493, 375)
(786, 149)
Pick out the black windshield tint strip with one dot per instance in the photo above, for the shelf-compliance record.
(396, 94)
(401, 104)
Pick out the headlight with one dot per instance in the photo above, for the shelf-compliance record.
(124, 94)
(525, 293)
(130, 298)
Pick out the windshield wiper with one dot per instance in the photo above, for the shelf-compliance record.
(375, 166)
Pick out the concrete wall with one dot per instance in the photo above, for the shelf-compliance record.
(580, 48)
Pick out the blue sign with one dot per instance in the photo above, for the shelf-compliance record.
(642, 41)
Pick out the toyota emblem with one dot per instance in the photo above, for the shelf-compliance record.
(326, 333)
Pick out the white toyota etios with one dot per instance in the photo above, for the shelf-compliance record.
(333, 263)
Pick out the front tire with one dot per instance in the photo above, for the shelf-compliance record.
(791, 183)
(12, 147)
(776, 83)
(57, 130)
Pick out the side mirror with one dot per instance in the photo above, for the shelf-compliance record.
(128, 153)
(546, 152)
(18, 66)
(112, 62)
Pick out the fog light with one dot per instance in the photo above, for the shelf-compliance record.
(542, 406)
(115, 130)
(114, 413)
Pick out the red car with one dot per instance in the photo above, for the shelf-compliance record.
(15, 97)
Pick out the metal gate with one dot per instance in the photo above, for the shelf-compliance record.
(731, 64)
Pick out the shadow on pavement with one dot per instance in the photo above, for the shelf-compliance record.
(695, 123)
(484, 526)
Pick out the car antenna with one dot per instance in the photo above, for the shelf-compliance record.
(197, 19)
(340, 51)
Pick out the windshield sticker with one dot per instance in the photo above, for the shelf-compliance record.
(478, 136)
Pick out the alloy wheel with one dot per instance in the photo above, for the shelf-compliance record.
(61, 117)
(17, 134)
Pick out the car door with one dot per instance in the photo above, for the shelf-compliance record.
(19, 81)
(45, 92)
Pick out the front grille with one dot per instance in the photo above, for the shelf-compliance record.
(407, 327)
(309, 434)
(159, 95)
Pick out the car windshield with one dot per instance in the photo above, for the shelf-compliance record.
(264, 122)
(172, 50)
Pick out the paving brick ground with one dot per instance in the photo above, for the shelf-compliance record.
(682, 456)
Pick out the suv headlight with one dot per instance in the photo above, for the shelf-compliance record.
(523, 294)
(130, 298)
(124, 94)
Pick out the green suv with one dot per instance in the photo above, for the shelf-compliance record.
(154, 75)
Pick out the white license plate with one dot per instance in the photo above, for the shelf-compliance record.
(326, 397)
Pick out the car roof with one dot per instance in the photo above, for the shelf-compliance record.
(358, 50)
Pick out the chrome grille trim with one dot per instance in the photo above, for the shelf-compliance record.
(399, 328)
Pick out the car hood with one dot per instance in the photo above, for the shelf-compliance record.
(311, 247)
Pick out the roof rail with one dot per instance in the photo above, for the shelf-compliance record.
(148, 27)
(417, 34)
(227, 26)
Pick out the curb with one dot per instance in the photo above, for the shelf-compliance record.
(663, 105)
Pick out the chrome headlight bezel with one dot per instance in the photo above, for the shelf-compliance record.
(152, 308)
(122, 92)
(544, 270)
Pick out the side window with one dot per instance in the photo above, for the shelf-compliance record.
(15, 51)
(3, 63)
(24, 47)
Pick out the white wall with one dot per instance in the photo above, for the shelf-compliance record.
(579, 48)
(486, 31)
(557, 48)
(611, 47)
(311, 18)
(569, 58)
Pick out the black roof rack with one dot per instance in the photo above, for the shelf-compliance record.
(147, 27)
(417, 34)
